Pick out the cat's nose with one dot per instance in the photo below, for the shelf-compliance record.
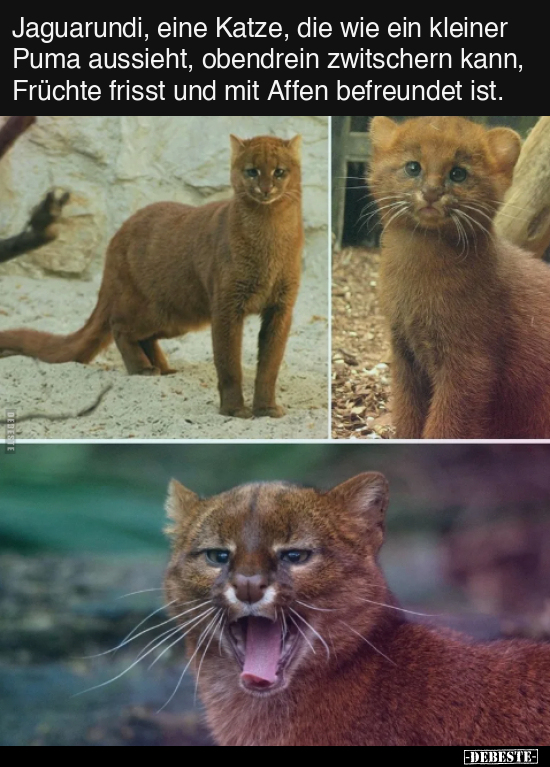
(432, 193)
(250, 588)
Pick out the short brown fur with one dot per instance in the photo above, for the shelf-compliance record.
(469, 313)
(373, 678)
(173, 268)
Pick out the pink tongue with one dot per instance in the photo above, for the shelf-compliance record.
(263, 651)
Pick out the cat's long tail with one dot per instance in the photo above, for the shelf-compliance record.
(81, 346)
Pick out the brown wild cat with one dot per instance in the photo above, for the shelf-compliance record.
(469, 313)
(296, 640)
(174, 268)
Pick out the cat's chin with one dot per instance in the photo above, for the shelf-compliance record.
(431, 217)
(264, 201)
(263, 690)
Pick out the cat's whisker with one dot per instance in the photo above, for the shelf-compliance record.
(318, 609)
(458, 229)
(512, 205)
(379, 211)
(302, 633)
(191, 659)
(301, 617)
(160, 639)
(393, 206)
(478, 210)
(377, 204)
(132, 635)
(221, 635)
(369, 643)
(219, 617)
(466, 216)
(394, 607)
(189, 626)
(135, 593)
(159, 610)
(463, 237)
(129, 637)
(140, 657)
(490, 210)
(171, 632)
(284, 621)
(399, 213)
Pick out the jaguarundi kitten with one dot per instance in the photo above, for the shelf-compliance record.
(469, 313)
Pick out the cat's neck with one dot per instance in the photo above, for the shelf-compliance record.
(422, 249)
(420, 686)
(286, 718)
(274, 231)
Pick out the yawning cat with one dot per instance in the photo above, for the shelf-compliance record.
(295, 639)
(469, 313)
(173, 268)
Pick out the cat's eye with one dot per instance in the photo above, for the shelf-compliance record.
(458, 175)
(218, 557)
(279, 172)
(295, 556)
(252, 172)
(413, 169)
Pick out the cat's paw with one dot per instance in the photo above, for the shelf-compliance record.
(150, 372)
(169, 372)
(237, 412)
(269, 412)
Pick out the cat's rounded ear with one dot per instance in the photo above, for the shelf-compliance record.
(366, 495)
(295, 146)
(505, 146)
(179, 503)
(237, 145)
(382, 132)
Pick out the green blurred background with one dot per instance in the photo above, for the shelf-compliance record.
(81, 525)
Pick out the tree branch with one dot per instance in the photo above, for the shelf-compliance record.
(11, 130)
(41, 227)
(88, 410)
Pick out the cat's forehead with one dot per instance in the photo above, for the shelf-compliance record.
(260, 510)
(441, 137)
(265, 150)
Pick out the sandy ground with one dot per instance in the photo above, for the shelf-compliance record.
(183, 406)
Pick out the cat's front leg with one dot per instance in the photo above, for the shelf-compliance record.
(227, 337)
(411, 392)
(276, 323)
(462, 401)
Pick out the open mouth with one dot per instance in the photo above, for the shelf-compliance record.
(263, 649)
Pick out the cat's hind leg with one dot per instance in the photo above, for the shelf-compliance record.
(134, 356)
(156, 356)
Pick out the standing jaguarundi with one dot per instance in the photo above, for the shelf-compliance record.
(173, 268)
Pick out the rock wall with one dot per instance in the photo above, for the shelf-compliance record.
(115, 165)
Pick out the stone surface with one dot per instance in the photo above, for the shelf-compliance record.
(115, 165)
